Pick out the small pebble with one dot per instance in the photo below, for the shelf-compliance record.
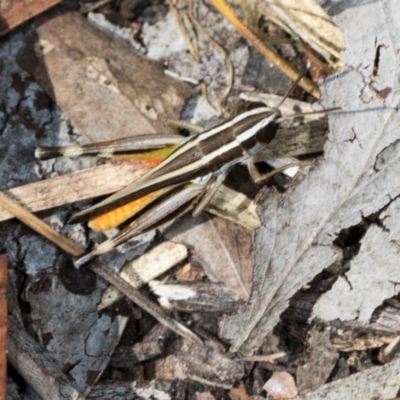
(281, 386)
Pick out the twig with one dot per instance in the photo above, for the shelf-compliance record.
(265, 358)
(190, 44)
(271, 55)
(85, 9)
(110, 276)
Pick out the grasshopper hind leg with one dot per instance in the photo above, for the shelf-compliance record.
(213, 187)
(147, 220)
(261, 178)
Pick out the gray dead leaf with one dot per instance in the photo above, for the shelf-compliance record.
(372, 278)
(225, 249)
(373, 383)
(357, 176)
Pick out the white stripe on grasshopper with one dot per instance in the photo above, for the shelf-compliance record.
(216, 131)
(254, 129)
(145, 181)
(233, 121)
(224, 149)
(193, 166)
(72, 151)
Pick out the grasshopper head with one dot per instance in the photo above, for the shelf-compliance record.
(268, 130)
(256, 127)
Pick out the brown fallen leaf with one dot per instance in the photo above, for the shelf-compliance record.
(109, 91)
(224, 249)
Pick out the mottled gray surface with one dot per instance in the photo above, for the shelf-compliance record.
(66, 324)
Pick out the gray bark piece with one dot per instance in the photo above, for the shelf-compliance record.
(322, 359)
(67, 324)
(37, 366)
(351, 179)
(70, 329)
(205, 363)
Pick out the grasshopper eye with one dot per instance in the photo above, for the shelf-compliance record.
(267, 133)
(254, 105)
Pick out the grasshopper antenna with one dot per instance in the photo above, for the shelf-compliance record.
(290, 90)
(308, 113)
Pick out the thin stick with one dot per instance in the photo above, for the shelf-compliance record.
(95, 6)
(110, 276)
(3, 325)
(271, 55)
(265, 358)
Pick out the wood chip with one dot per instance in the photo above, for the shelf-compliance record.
(196, 296)
(82, 185)
(15, 12)
(206, 364)
(146, 268)
(323, 356)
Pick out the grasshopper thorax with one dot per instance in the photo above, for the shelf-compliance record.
(256, 127)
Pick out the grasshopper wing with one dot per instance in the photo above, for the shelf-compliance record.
(183, 165)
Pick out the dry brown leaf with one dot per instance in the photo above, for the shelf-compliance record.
(224, 249)
(239, 393)
(98, 92)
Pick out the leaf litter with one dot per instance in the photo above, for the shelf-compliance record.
(355, 178)
(301, 224)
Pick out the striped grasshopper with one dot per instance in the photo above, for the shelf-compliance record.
(191, 169)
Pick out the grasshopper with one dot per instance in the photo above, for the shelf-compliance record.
(194, 169)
